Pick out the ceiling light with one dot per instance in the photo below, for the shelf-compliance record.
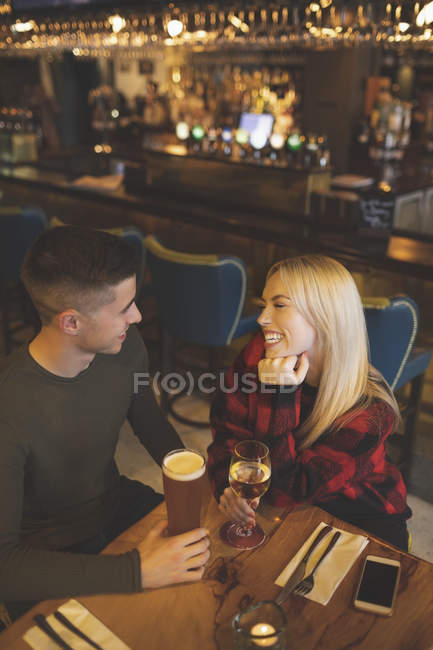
(239, 24)
(175, 28)
(117, 23)
(23, 27)
(425, 16)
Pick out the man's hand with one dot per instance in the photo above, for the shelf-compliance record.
(284, 371)
(169, 560)
(238, 509)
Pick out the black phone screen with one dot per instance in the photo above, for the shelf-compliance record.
(377, 585)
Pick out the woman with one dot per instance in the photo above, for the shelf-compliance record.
(323, 411)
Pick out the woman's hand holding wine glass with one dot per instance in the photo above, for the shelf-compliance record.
(237, 508)
(249, 476)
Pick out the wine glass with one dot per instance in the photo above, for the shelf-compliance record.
(249, 476)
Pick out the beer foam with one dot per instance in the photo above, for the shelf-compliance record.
(185, 465)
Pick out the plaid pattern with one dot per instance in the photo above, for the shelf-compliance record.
(348, 464)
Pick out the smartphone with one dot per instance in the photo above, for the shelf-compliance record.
(378, 585)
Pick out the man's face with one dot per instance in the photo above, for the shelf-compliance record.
(104, 330)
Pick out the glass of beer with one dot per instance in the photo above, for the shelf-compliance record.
(183, 474)
(249, 476)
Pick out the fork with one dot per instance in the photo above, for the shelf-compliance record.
(307, 584)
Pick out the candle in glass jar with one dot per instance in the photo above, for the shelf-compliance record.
(264, 630)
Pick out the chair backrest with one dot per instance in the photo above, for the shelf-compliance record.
(135, 238)
(392, 327)
(19, 227)
(200, 297)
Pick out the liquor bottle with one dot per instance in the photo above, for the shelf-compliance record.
(324, 154)
(197, 135)
(311, 151)
(295, 144)
(226, 140)
(212, 136)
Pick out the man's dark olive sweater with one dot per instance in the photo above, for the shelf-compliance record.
(58, 478)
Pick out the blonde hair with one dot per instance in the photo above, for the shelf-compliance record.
(325, 294)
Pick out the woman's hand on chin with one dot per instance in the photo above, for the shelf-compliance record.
(284, 371)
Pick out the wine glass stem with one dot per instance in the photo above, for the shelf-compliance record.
(246, 531)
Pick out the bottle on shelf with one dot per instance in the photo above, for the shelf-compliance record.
(324, 154)
(295, 149)
(311, 150)
(226, 140)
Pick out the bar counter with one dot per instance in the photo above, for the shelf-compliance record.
(193, 223)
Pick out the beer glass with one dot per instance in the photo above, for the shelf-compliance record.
(183, 475)
(250, 476)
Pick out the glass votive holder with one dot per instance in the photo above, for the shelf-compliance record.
(262, 625)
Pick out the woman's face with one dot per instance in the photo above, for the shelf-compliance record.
(285, 330)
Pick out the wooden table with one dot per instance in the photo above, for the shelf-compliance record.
(198, 616)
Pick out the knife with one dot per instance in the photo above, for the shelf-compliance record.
(43, 624)
(299, 572)
(72, 628)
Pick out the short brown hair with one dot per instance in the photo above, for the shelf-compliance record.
(73, 267)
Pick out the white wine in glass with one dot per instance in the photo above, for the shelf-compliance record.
(249, 476)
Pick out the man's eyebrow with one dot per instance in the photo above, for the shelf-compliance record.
(128, 306)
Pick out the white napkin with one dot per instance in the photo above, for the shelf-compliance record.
(81, 618)
(108, 183)
(333, 568)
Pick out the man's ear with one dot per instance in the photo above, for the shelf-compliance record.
(69, 322)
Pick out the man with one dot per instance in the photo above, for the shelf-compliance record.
(63, 400)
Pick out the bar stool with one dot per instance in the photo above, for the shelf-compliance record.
(392, 326)
(19, 227)
(200, 300)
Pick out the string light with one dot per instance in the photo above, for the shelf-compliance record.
(325, 25)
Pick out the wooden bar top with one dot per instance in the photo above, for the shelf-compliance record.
(199, 616)
(400, 254)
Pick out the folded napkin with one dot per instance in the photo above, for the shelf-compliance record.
(104, 183)
(333, 568)
(81, 618)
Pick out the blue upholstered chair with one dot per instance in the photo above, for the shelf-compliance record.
(200, 300)
(19, 227)
(392, 327)
(135, 238)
